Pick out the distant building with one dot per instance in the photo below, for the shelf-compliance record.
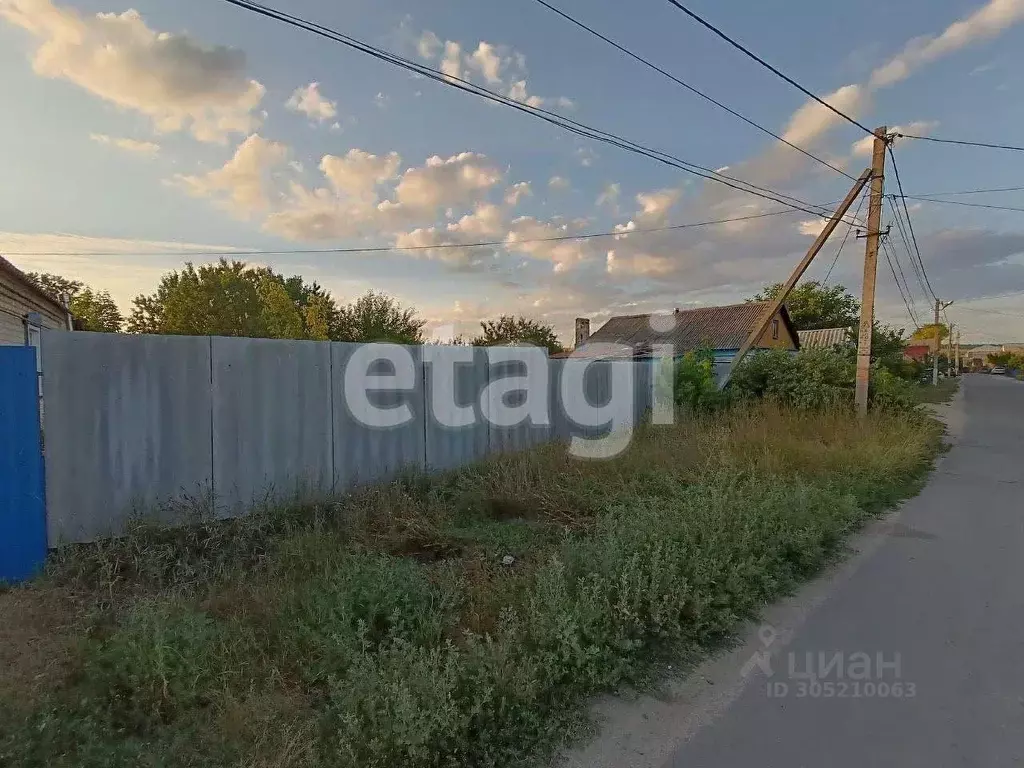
(917, 352)
(723, 330)
(25, 309)
(827, 338)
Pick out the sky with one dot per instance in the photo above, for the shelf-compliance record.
(139, 132)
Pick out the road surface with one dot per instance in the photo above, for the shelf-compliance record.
(912, 656)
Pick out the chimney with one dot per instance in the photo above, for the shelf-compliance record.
(582, 331)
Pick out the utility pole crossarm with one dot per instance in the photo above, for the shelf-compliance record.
(816, 246)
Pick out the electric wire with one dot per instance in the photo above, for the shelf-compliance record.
(690, 88)
(957, 141)
(573, 126)
(910, 222)
(765, 64)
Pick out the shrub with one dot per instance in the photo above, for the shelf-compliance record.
(815, 379)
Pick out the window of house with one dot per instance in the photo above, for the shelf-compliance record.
(775, 329)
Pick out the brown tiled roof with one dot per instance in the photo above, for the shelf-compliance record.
(714, 327)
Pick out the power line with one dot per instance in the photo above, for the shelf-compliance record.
(846, 237)
(966, 205)
(889, 258)
(910, 223)
(967, 192)
(903, 274)
(765, 64)
(392, 248)
(955, 141)
(691, 88)
(553, 118)
(898, 217)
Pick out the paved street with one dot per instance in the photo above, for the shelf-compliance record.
(944, 590)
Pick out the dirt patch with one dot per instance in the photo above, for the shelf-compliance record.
(37, 635)
(505, 510)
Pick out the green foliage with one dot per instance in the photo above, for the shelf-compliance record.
(233, 299)
(812, 305)
(928, 332)
(696, 388)
(516, 330)
(94, 310)
(379, 317)
(814, 379)
(311, 640)
(1011, 360)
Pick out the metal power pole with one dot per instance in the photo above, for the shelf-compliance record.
(949, 350)
(867, 304)
(958, 352)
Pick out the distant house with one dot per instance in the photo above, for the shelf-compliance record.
(917, 352)
(25, 309)
(827, 338)
(723, 330)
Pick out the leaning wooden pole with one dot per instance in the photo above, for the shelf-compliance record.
(816, 246)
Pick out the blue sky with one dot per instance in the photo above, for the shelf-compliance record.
(169, 129)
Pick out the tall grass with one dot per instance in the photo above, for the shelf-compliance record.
(454, 620)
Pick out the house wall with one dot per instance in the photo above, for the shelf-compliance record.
(16, 301)
(785, 340)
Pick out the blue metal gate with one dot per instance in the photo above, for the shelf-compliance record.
(22, 497)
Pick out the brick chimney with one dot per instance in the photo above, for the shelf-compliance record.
(582, 331)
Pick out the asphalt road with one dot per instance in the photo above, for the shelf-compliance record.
(918, 656)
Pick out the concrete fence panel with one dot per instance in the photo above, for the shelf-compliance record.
(457, 432)
(126, 429)
(272, 427)
(377, 434)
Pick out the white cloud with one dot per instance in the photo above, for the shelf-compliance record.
(986, 22)
(525, 232)
(243, 183)
(486, 223)
(500, 67)
(381, 100)
(609, 195)
(352, 204)
(174, 80)
(558, 183)
(517, 192)
(358, 173)
(813, 119)
(864, 147)
(310, 102)
(146, 148)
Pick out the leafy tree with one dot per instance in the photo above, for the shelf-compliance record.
(94, 310)
(54, 285)
(97, 311)
(233, 299)
(515, 330)
(813, 305)
(928, 332)
(379, 317)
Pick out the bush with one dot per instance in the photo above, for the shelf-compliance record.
(696, 387)
(816, 379)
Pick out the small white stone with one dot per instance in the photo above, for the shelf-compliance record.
(508, 560)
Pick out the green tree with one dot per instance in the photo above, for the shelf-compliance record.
(516, 330)
(233, 299)
(928, 332)
(379, 317)
(97, 311)
(94, 310)
(813, 305)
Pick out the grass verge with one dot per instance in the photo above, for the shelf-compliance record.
(940, 393)
(448, 621)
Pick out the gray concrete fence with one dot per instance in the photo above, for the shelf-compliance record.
(167, 426)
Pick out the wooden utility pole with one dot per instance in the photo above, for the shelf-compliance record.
(867, 302)
(819, 242)
(949, 350)
(958, 352)
(937, 346)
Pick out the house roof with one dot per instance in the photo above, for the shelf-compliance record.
(14, 274)
(824, 338)
(715, 327)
